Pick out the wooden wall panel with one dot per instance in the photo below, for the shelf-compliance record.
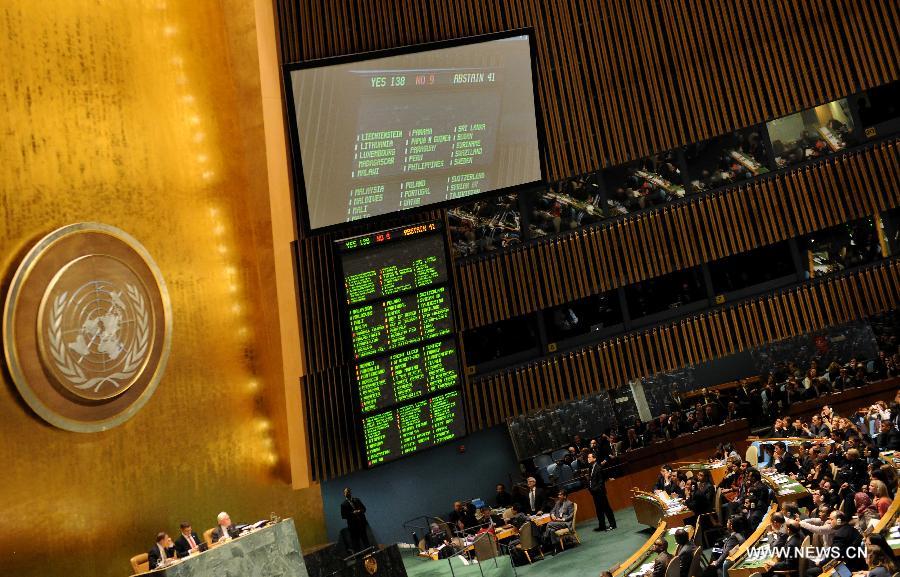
(621, 79)
(698, 339)
(733, 220)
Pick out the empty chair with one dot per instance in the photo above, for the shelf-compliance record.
(564, 473)
(697, 563)
(542, 461)
(140, 563)
(527, 542)
(674, 568)
(546, 473)
(565, 477)
(752, 455)
(485, 547)
(558, 454)
(718, 504)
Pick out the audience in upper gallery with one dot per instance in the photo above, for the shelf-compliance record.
(762, 402)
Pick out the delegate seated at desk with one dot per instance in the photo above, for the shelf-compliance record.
(561, 517)
(663, 557)
(438, 538)
(784, 460)
(789, 543)
(461, 518)
(224, 530)
(187, 542)
(161, 553)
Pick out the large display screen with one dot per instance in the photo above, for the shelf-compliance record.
(406, 363)
(398, 267)
(409, 374)
(390, 324)
(376, 133)
(413, 427)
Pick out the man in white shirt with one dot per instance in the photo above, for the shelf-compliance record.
(534, 498)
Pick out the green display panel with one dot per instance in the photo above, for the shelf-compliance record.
(396, 267)
(409, 428)
(380, 327)
(401, 331)
(407, 375)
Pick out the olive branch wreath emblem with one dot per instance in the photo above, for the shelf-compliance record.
(72, 371)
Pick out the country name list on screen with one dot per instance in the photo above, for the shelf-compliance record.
(407, 131)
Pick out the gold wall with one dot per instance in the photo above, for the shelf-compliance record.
(147, 116)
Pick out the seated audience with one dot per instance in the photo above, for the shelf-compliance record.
(888, 438)
(879, 564)
(735, 527)
(881, 500)
(793, 540)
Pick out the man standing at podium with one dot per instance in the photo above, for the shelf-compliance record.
(353, 510)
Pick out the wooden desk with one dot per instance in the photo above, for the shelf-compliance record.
(741, 563)
(714, 471)
(269, 551)
(643, 555)
(504, 532)
(787, 490)
(661, 182)
(834, 141)
(651, 509)
(748, 162)
(845, 402)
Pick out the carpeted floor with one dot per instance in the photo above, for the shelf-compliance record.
(597, 552)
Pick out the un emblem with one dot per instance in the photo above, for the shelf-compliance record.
(87, 327)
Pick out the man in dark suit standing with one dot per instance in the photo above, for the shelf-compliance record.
(534, 499)
(353, 510)
(187, 542)
(224, 529)
(162, 552)
(597, 487)
(663, 557)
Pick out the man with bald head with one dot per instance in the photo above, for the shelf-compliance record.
(663, 557)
